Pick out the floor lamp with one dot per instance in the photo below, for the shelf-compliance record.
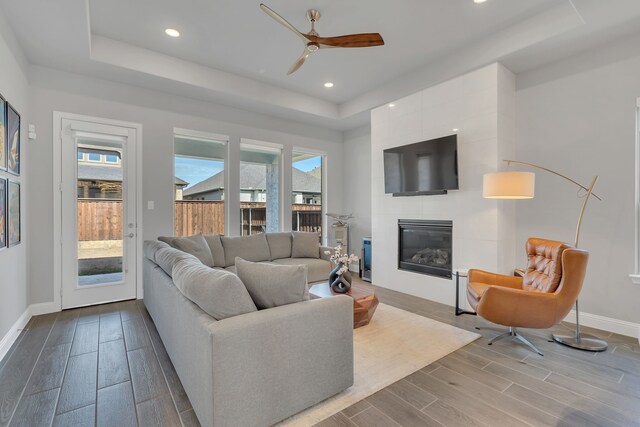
(521, 185)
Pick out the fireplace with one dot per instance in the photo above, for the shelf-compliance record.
(425, 246)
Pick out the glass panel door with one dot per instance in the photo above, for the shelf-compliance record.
(100, 212)
(99, 208)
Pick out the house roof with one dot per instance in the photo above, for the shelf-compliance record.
(88, 172)
(93, 172)
(254, 176)
(181, 182)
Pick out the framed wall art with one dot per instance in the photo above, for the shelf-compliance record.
(3, 213)
(13, 140)
(3, 134)
(13, 213)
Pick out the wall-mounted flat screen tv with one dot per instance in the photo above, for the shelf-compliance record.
(427, 167)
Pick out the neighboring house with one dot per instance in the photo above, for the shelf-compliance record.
(307, 188)
(180, 185)
(100, 176)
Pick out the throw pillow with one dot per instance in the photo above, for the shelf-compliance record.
(305, 245)
(218, 293)
(196, 246)
(273, 285)
(279, 245)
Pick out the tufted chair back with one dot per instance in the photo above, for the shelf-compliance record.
(544, 265)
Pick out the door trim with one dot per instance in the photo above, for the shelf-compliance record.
(58, 116)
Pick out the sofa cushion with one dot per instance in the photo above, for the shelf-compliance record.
(305, 245)
(279, 245)
(153, 246)
(197, 246)
(273, 285)
(219, 293)
(167, 239)
(167, 257)
(317, 269)
(251, 248)
(217, 251)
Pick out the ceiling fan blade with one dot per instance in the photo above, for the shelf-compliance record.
(282, 21)
(351, 40)
(299, 61)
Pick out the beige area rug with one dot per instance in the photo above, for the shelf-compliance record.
(395, 344)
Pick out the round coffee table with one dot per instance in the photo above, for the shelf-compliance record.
(364, 298)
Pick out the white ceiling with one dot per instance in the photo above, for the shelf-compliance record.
(238, 37)
(230, 52)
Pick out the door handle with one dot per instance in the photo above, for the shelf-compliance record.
(131, 235)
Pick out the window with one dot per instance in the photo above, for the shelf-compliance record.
(80, 155)
(94, 157)
(259, 187)
(307, 187)
(199, 185)
(111, 158)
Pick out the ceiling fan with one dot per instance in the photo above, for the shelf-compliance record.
(312, 41)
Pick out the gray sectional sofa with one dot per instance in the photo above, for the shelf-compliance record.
(256, 368)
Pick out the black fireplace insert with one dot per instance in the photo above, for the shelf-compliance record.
(425, 247)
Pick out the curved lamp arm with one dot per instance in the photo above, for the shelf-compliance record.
(589, 190)
(517, 162)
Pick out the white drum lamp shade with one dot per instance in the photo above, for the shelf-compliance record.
(509, 185)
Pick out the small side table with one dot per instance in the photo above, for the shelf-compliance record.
(461, 273)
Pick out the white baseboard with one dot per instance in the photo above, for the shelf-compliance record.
(609, 324)
(7, 341)
(33, 310)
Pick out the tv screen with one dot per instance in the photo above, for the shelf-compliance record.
(424, 167)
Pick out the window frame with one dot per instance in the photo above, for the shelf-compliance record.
(323, 186)
(635, 276)
(248, 143)
(206, 136)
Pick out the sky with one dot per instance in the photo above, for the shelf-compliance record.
(196, 170)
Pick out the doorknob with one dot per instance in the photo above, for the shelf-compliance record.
(131, 235)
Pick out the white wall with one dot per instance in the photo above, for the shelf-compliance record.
(14, 298)
(357, 184)
(481, 105)
(158, 113)
(578, 116)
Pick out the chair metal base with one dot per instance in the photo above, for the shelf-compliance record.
(581, 342)
(513, 333)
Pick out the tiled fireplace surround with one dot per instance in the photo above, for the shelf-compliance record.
(480, 108)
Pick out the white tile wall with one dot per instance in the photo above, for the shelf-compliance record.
(481, 105)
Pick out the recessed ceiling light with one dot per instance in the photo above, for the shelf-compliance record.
(479, 1)
(328, 84)
(392, 105)
(455, 129)
(172, 33)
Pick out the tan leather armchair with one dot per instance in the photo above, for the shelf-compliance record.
(542, 298)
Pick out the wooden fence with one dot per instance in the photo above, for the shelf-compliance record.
(102, 219)
(99, 220)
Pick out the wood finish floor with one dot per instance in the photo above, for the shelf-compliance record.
(106, 365)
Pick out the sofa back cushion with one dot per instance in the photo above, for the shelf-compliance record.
(279, 245)
(217, 251)
(196, 246)
(167, 257)
(251, 248)
(305, 245)
(151, 247)
(273, 285)
(218, 293)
